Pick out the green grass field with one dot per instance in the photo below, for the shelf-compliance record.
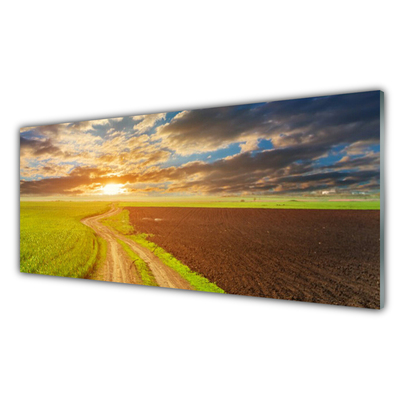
(53, 241)
(284, 203)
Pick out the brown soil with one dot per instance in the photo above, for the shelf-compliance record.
(322, 256)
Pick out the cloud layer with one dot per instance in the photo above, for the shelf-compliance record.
(296, 146)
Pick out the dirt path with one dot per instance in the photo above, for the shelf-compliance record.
(118, 267)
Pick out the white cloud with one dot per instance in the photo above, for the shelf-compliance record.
(147, 121)
(250, 145)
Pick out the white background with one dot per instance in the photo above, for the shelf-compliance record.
(70, 339)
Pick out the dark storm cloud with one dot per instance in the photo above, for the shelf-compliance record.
(247, 179)
(66, 185)
(54, 131)
(330, 120)
(334, 178)
(39, 147)
(371, 161)
(49, 130)
(270, 162)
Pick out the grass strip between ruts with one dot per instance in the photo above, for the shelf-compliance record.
(146, 275)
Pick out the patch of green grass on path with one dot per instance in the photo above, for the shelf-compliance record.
(119, 222)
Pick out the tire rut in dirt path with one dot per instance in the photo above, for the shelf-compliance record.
(118, 266)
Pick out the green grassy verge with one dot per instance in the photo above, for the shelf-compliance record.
(278, 204)
(198, 282)
(145, 273)
(120, 222)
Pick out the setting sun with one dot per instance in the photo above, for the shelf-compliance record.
(113, 188)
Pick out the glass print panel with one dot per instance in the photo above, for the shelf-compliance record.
(277, 199)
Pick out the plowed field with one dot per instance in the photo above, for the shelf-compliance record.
(322, 256)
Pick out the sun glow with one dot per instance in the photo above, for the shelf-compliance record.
(113, 188)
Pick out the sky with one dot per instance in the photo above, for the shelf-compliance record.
(316, 145)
